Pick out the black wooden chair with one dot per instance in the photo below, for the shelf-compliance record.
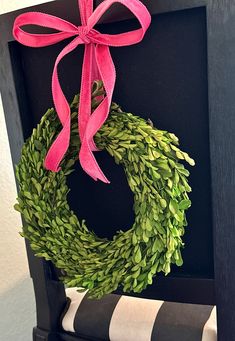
(182, 77)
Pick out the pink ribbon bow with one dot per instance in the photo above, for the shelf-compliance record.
(97, 64)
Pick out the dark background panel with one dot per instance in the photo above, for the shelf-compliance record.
(163, 78)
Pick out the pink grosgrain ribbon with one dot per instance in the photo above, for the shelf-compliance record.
(97, 64)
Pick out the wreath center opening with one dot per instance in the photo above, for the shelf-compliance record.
(105, 208)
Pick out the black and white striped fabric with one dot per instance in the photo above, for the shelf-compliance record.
(125, 318)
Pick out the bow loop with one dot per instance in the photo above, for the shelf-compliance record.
(97, 65)
(137, 8)
(65, 28)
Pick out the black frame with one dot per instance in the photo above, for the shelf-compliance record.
(49, 292)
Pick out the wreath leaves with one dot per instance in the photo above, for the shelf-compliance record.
(152, 162)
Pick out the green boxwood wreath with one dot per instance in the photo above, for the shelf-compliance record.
(151, 160)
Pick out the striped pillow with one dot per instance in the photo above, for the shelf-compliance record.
(125, 318)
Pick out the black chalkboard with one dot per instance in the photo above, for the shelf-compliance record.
(165, 79)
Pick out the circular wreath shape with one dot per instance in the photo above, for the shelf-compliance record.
(152, 162)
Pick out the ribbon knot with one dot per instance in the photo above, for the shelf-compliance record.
(97, 65)
(83, 33)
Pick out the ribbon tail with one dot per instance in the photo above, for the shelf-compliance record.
(95, 75)
(106, 69)
(58, 148)
(89, 163)
(84, 109)
(95, 70)
(108, 76)
(60, 145)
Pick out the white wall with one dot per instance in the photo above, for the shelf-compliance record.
(12, 5)
(17, 306)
